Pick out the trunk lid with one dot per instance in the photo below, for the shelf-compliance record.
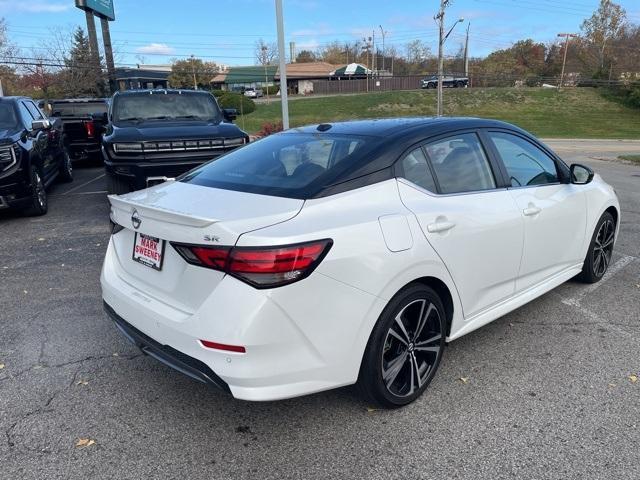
(185, 213)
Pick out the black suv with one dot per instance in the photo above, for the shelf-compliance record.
(81, 124)
(156, 135)
(32, 155)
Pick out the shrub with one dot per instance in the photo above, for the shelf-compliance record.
(241, 103)
(271, 90)
(269, 128)
(217, 93)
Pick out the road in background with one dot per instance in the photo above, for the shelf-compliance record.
(544, 392)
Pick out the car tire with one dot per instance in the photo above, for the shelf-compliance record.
(116, 186)
(459, 84)
(39, 201)
(431, 85)
(401, 356)
(600, 250)
(66, 168)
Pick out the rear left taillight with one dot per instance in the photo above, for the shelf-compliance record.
(90, 128)
(261, 267)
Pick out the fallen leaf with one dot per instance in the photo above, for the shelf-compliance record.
(464, 379)
(41, 239)
(511, 324)
(25, 292)
(1, 366)
(633, 378)
(611, 385)
(62, 265)
(371, 409)
(637, 284)
(84, 442)
(98, 244)
(116, 355)
(82, 382)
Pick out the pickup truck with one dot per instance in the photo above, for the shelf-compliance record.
(156, 135)
(81, 124)
(32, 155)
(449, 81)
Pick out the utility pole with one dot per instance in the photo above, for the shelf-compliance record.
(367, 47)
(264, 62)
(193, 71)
(442, 38)
(567, 36)
(466, 53)
(374, 59)
(93, 42)
(283, 66)
(383, 49)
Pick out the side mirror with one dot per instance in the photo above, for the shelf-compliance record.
(42, 124)
(100, 117)
(581, 174)
(230, 114)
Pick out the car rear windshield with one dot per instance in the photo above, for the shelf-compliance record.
(8, 118)
(293, 165)
(145, 106)
(77, 109)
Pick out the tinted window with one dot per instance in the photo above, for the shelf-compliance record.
(77, 109)
(35, 113)
(27, 118)
(460, 164)
(284, 165)
(8, 117)
(161, 106)
(416, 170)
(526, 164)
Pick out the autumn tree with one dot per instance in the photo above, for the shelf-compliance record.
(185, 72)
(603, 26)
(305, 56)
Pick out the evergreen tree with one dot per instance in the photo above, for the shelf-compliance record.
(83, 71)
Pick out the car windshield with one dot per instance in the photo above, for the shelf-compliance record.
(146, 106)
(8, 118)
(288, 165)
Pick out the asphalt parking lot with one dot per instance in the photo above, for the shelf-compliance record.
(546, 392)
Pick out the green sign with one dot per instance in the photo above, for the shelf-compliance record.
(102, 8)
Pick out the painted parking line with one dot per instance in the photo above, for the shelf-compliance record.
(613, 269)
(83, 184)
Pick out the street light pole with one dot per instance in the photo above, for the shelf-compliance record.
(567, 36)
(264, 62)
(284, 99)
(466, 53)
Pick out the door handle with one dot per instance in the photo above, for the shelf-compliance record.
(440, 227)
(532, 210)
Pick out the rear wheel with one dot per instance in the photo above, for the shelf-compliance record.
(431, 85)
(116, 186)
(600, 250)
(66, 168)
(405, 348)
(39, 203)
(459, 84)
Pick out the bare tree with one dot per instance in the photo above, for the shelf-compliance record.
(603, 26)
(266, 53)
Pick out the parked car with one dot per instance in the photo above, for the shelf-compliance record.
(156, 135)
(448, 81)
(32, 155)
(253, 92)
(350, 253)
(82, 124)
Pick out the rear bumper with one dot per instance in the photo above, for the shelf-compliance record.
(79, 150)
(165, 354)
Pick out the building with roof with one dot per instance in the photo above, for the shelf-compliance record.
(300, 76)
(239, 77)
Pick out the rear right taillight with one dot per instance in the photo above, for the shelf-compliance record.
(261, 267)
(90, 128)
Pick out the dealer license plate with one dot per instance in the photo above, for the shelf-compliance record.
(148, 250)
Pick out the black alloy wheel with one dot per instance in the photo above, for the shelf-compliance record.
(405, 348)
(600, 251)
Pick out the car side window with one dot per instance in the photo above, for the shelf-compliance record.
(526, 164)
(27, 118)
(460, 164)
(35, 112)
(415, 168)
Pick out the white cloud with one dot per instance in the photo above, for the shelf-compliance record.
(34, 6)
(156, 49)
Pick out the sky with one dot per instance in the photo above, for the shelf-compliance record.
(225, 31)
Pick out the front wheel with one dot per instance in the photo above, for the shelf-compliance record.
(600, 250)
(405, 348)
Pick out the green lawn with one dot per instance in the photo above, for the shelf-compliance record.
(630, 158)
(573, 112)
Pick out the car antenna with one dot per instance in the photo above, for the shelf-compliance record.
(323, 127)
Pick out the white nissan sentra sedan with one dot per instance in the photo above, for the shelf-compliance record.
(349, 253)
